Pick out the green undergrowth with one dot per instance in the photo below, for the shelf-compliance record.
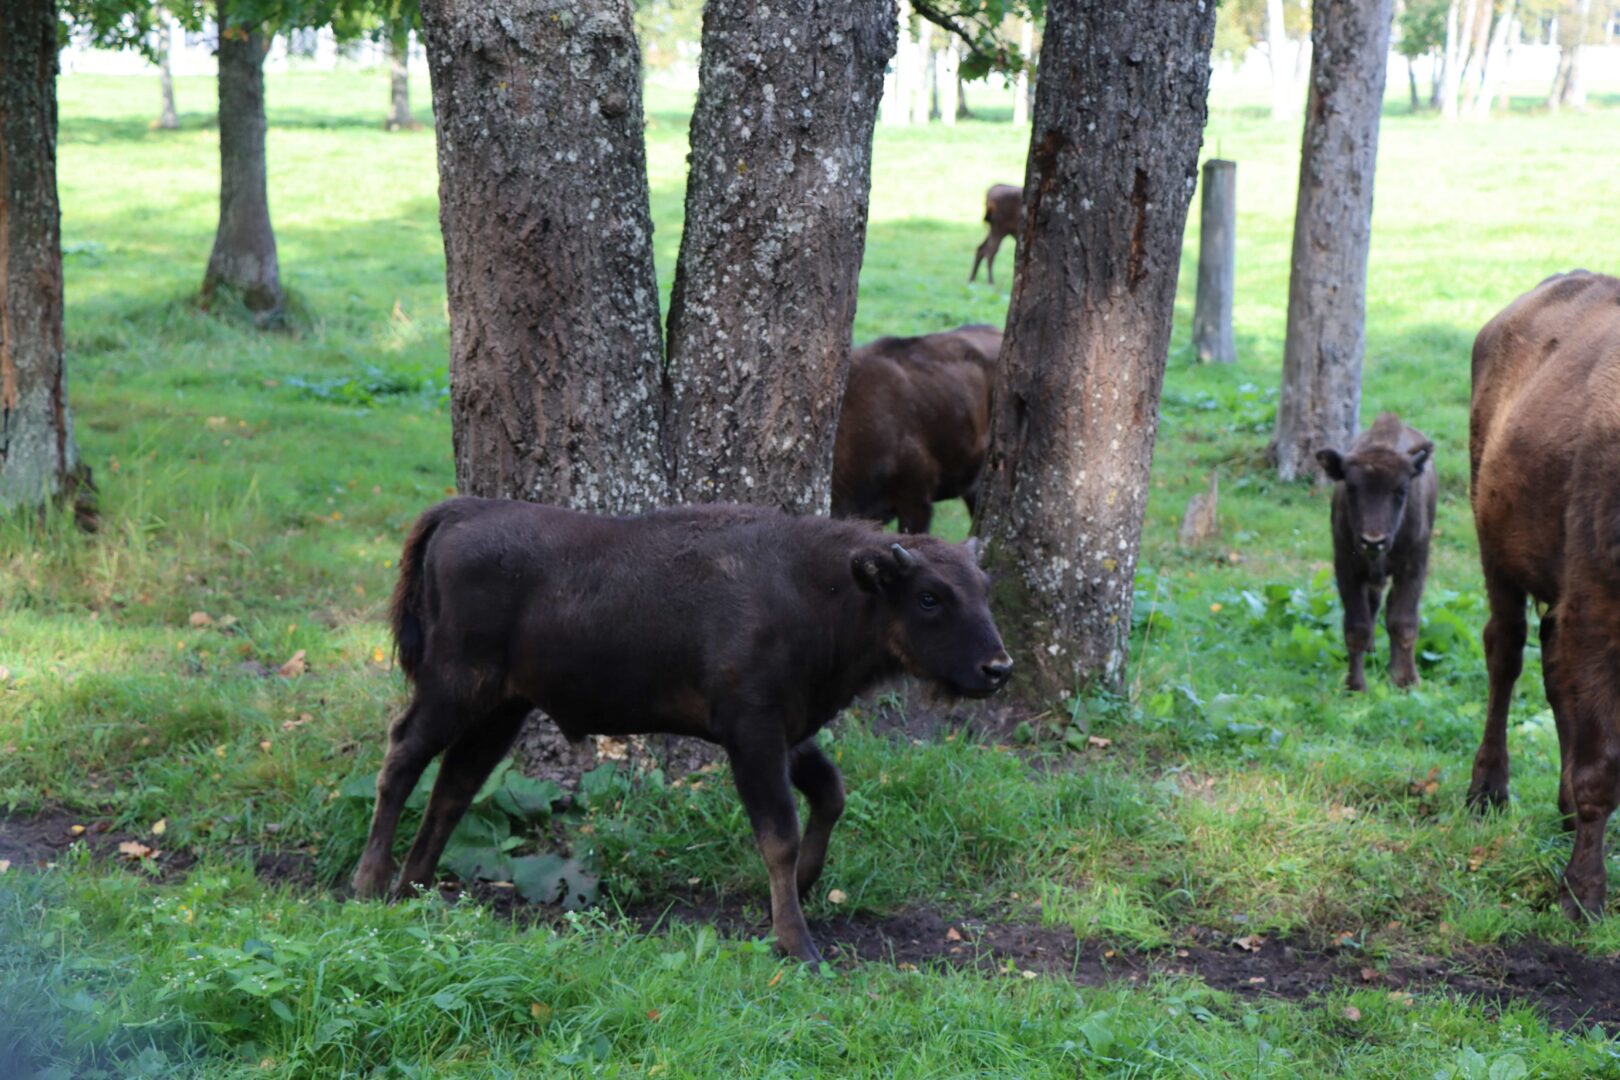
(215, 662)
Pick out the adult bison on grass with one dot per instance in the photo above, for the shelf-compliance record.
(1544, 449)
(915, 425)
(736, 624)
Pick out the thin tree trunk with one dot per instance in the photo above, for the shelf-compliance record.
(902, 85)
(1459, 17)
(1026, 47)
(1437, 74)
(39, 460)
(946, 84)
(244, 256)
(1411, 81)
(922, 105)
(168, 119)
(1283, 84)
(1320, 404)
(1478, 55)
(1568, 88)
(1496, 56)
(764, 298)
(399, 83)
(1077, 395)
(554, 335)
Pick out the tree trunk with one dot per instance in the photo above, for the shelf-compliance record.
(1496, 57)
(1321, 391)
(1283, 86)
(947, 82)
(1026, 48)
(399, 83)
(1077, 394)
(554, 335)
(1437, 74)
(1459, 17)
(168, 119)
(1478, 49)
(39, 460)
(764, 299)
(1411, 82)
(902, 84)
(922, 105)
(1217, 264)
(1570, 33)
(244, 256)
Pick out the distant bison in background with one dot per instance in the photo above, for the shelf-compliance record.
(1544, 450)
(915, 425)
(735, 624)
(1383, 517)
(1002, 205)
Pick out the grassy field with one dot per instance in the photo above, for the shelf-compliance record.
(1235, 804)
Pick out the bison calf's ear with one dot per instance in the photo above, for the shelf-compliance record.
(976, 549)
(876, 570)
(1420, 457)
(1332, 463)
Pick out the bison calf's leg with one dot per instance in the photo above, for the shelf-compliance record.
(1552, 682)
(915, 516)
(1505, 634)
(1358, 629)
(467, 764)
(762, 782)
(813, 773)
(414, 738)
(1595, 786)
(1401, 620)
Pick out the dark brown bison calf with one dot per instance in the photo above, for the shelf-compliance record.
(735, 624)
(1002, 205)
(1383, 517)
(915, 425)
(1544, 450)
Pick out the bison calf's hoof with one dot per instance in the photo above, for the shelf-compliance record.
(1581, 903)
(371, 883)
(1488, 796)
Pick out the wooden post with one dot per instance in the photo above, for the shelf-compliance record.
(1217, 263)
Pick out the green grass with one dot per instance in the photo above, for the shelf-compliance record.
(265, 480)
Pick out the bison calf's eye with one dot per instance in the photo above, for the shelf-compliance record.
(928, 601)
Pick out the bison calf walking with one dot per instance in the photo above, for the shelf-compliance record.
(1544, 450)
(736, 624)
(915, 425)
(1383, 517)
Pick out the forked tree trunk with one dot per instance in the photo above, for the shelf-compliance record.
(1478, 50)
(1496, 61)
(244, 256)
(764, 298)
(39, 460)
(168, 119)
(554, 334)
(1320, 404)
(1459, 17)
(399, 83)
(1077, 395)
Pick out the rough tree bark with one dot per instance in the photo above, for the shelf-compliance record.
(1077, 397)
(1321, 391)
(399, 82)
(39, 460)
(764, 299)
(554, 338)
(244, 256)
(168, 119)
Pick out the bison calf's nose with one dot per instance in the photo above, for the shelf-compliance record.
(999, 670)
(1374, 542)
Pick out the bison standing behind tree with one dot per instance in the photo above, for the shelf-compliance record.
(915, 425)
(1544, 450)
(1002, 205)
(1383, 517)
(739, 625)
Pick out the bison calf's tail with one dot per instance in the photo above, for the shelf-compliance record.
(405, 611)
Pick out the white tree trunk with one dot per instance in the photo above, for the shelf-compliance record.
(1283, 87)
(922, 91)
(1459, 16)
(945, 70)
(1026, 42)
(898, 86)
(1496, 56)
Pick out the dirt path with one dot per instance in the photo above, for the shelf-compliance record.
(1573, 989)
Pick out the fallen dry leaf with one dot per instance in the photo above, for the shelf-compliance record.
(294, 666)
(1026, 973)
(539, 1010)
(5, 673)
(953, 934)
(160, 826)
(378, 655)
(201, 618)
(1368, 974)
(836, 896)
(134, 849)
(293, 725)
(1251, 943)
(5, 864)
(775, 978)
(1257, 980)
(1352, 1013)
(1099, 742)
(264, 744)
(652, 1014)
(76, 830)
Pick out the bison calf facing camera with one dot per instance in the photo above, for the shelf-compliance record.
(1383, 516)
(739, 625)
